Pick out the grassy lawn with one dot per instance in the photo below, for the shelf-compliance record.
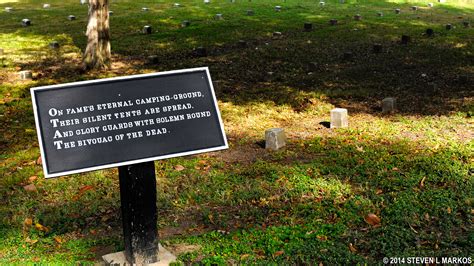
(305, 204)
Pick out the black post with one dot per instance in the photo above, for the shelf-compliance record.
(139, 214)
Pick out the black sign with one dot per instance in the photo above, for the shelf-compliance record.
(91, 125)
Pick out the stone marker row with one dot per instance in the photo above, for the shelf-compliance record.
(275, 138)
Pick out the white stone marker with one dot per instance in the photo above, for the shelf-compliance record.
(26, 75)
(111, 13)
(54, 45)
(322, 3)
(430, 5)
(388, 105)
(339, 118)
(8, 9)
(177, 5)
(145, 9)
(46, 6)
(275, 138)
(25, 22)
(218, 16)
(71, 17)
(277, 8)
(83, 2)
(207, 1)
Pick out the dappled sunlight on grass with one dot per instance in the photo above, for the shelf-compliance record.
(303, 204)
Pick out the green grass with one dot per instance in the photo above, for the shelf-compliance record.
(304, 204)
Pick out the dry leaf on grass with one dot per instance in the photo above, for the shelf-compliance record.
(30, 188)
(372, 219)
(179, 168)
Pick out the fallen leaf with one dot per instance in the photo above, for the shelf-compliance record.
(244, 256)
(372, 219)
(449, 210)
(82, 190)
(378, 191)
(278, 253)
(31, 241)
(58, 239)
(427, 217)
(352, 248)
(41, 227)
(30, 188)
(28, 222)
(39, 161)
(323, 238)
(395, 169)
(179, 168)
(32, 178)
(422, 182)
(360, 149)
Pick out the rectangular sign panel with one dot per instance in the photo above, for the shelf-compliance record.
(91, 125)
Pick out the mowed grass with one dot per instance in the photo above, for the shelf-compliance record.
(304, 204)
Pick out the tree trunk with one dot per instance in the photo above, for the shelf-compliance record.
(97, 54)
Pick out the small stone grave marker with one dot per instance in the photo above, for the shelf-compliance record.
(54, 45)
(177, 5)
(46, 6)
(201, 52)
(358, 17)
(308, 26)
(277, 8)
(339, 118)
(242, 43)
(347, 55)
(429, 32)
(145, 9)
(414, 8)
(277, 34)
(388, 105)
(321, 4)
(218, 16)
(380, 14)
(250, 12)
(111, 13)
(185, 23)
(207, 1)
(25, 22)
(26, 75)
(275, 138)
(333, 22)
(83, 2)
(313, 66)
(8, 9)
(430, 5)
(377, 48)
(449, 27)
(405, 39)
(147, 29)
(71, 17)
(153, 59)
(397, 11)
